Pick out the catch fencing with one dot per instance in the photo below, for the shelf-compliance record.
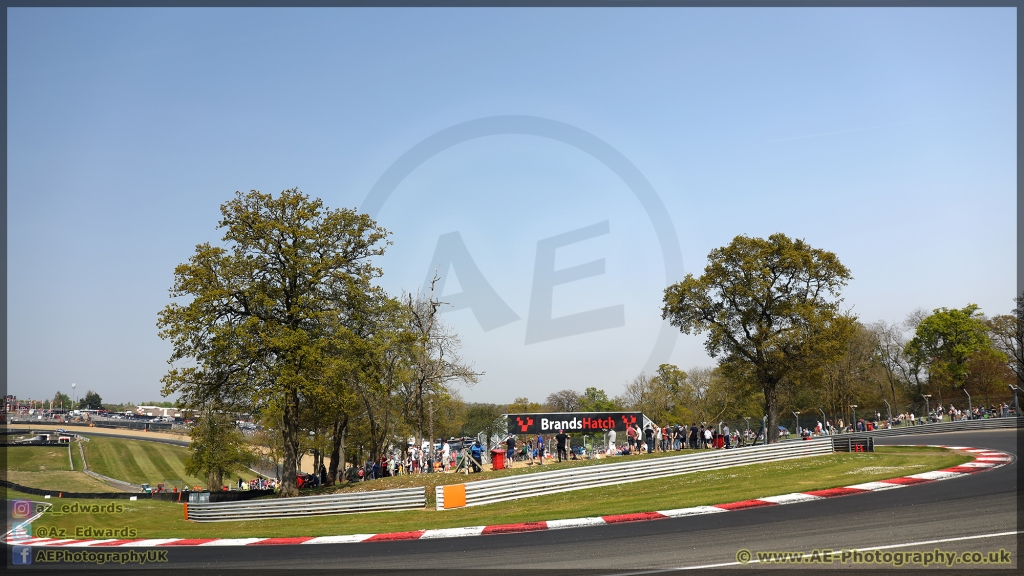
(371, 501)
(582, 477)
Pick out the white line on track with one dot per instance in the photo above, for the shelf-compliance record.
(886, 547)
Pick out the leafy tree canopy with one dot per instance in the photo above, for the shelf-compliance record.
(770, 308)
(946, 339)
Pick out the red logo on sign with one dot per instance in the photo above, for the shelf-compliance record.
(628, 420)
(522, 426)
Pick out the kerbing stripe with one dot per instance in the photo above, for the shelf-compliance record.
(790, 498)
(414, 535)
(348, 539)
(83, 543)
(636, 517)
(937, 475)
(150, 542)
(875, 486)
(512, 528)
(232, 542)
(983, 459)
(694, 511)
(453, 532)
(575, 523)
(744, 504)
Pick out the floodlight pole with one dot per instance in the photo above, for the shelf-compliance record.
(888, 410)
(853, 407)
(970, 410)
(927, 407)
(797, 414)
(1016, 405)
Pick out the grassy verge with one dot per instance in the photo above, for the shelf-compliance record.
(60, 480)
(37, 458)
(153, 519)
(141, 462)
(431, 481)
(76, 456)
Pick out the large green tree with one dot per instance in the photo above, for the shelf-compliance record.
(91, 401)
(596, 400)
(259, 315)
(61, 400)
(945, 341)
(218, 448)
(770, 308)
(1007, 334)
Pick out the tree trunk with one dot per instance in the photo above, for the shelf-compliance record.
(337, 448)
(290, 433)
(771, 400)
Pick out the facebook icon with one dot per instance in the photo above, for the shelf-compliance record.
(21, 555)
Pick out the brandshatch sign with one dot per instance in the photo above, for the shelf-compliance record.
(572, 422)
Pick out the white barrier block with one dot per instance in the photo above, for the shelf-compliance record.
(453, 532)
(349, 539)
(575, 523)
(790, 498)
(694, 511)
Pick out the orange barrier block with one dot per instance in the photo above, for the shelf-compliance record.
(454, 496)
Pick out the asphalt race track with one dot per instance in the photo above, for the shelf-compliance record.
(961, 514)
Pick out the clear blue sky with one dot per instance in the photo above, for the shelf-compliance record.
(887, 136)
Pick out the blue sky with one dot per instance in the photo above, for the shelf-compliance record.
(887, 136)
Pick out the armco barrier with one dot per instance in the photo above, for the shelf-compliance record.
(853, 444)
(372, 501)
(939, 427)
(579, 478)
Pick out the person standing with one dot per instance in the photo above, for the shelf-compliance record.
(649, 438)
(631, 433)
(475, 453)
(540, 449)
(446, 452)
(510, 451)
(611, 442)
(728, 439)
(560, 440)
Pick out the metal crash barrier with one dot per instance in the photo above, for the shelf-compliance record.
(371, 501)
(939, 427)
(582, 477)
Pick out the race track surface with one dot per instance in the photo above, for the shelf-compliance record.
(961, 514)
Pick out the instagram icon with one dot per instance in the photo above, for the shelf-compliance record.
(21, 508)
